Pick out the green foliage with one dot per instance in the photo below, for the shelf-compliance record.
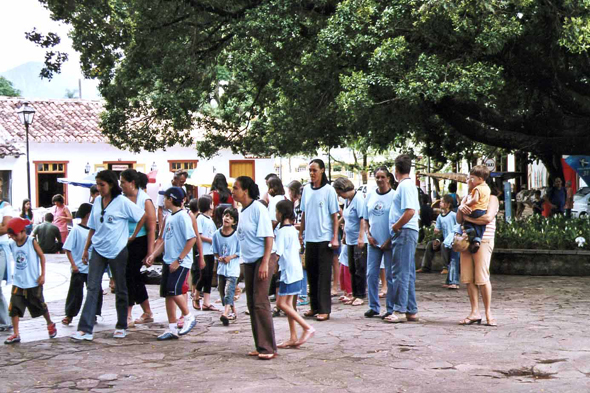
(538, 232)
(6, 88)
(297, 75)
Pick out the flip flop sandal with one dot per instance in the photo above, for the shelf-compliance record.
(357, 302)
(210, 308)
(382, 295)
(143, 319)
(392, 319)
(287, 344)
(196, 304)
(267, 356)
(66, 321)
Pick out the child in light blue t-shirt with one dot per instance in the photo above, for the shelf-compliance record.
(29, 277)
(287, 250)
(74, 247)
(226, 248)
(206, 229)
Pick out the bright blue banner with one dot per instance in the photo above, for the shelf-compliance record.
(580, 164)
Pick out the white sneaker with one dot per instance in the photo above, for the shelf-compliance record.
(189, 324)
(120, 333)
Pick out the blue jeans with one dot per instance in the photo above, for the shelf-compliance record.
(227, 289)
(303, 293)
(404, 271)
(374, 257)
(454, 268)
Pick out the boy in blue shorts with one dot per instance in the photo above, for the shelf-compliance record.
(74, 247)
(226, 248)
(179, 239)
(29, 277)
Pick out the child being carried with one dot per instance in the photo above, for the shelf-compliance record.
(477, 201)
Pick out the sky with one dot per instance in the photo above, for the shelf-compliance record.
(20, 16)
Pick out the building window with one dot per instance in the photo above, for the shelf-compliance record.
(47, 167)
(185, 165)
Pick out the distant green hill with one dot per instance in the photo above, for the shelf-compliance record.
(26, 78)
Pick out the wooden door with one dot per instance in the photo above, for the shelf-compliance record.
(239, 168)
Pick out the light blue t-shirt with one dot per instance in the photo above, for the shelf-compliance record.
(254, 226)
(206, 228)
(319, 205)
(27, 267)
(287, 242)
(111, 235)
(75, 244)
(178, 230)
(446, 223)
(406, 197)
(227, 245)
(142, 196)
(353, 214)
(376, 212)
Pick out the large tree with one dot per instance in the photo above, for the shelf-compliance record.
(296, 75)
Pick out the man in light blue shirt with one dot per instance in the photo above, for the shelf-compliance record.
(403, 222)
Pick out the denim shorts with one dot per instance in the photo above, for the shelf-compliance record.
(290, 289)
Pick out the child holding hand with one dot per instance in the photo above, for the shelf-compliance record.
(226, 248)
(287, 250)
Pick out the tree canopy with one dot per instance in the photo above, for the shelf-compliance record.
(7, 89)
(297, 75)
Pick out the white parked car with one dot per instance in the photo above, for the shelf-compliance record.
(581, 203)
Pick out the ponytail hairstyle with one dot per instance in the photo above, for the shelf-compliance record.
(132, 176)
(248, 184)
(342, 184)
(143, 181)
(110, 178)
(285, 209)
(382, 168)
(275, 186)
(322, 166)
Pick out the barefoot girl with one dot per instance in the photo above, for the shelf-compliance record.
(287, 249)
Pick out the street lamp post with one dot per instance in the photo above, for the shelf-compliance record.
(25, 114)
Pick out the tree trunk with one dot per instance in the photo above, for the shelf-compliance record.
(554, 167)
(364, 173)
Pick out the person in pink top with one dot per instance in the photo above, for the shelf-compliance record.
(61, 215)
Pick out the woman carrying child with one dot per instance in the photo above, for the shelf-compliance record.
(226, 249)
(287, 250)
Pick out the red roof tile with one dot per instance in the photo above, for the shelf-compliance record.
(55, 121)
(7, 149)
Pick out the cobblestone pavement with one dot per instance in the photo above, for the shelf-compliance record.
(542, 344)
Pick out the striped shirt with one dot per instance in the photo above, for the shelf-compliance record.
(490, 231)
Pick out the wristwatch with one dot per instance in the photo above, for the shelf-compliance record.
(179, 260)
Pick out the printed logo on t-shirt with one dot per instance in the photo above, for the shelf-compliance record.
(21, 260)
(110, 219)
(241, 234)
(224, 250)
(378, 209)
(169, 231)
(321, 204)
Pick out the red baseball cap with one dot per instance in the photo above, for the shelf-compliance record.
(18, 224)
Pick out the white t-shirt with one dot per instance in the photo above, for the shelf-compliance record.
(272, 205)
(6, 211)
(254, 227)
(319, 205)
(206, 228)
(75, 244)
(111, 235)
(178, 230)
(27, 267)
(224, 246)
(287, 248)
(376, 212)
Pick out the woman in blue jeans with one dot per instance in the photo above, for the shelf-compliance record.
(376, 219)
(108, 236)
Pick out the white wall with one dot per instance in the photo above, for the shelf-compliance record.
(78, 154)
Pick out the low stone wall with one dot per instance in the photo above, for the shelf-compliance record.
(529, 262)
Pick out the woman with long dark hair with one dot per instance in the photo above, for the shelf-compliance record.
(139, 247)
(220, 191)
(108, 236)
(27, 214)
(256, 237)
(62, 215)
(319, 222)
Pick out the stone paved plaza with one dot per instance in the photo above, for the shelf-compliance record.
(542, 344)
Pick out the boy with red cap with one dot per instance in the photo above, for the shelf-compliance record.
(29, 277)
